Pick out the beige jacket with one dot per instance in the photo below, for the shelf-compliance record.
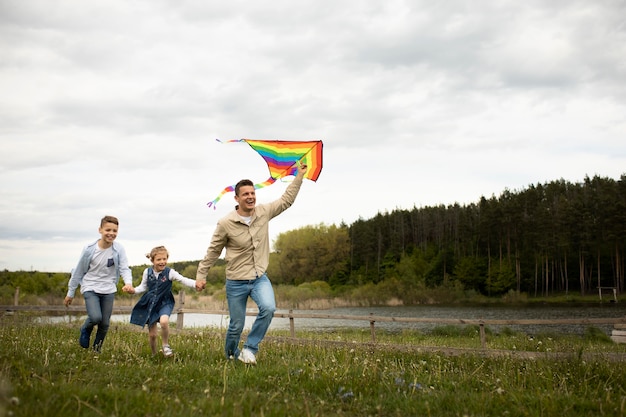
(247, 246)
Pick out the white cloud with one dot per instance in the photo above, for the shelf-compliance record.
(113, 108)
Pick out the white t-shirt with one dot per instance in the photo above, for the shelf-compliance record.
(100, 278)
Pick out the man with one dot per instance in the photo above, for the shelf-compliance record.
(244, 234)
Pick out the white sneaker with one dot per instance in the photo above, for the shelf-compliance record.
(246, 356)
(167, 351)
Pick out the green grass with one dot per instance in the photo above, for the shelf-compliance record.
(44, 372)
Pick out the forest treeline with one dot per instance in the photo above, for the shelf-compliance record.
(555, 237)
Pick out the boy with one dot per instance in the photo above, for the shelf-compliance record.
(97, 272)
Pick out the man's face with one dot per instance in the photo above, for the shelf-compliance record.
(246, 198)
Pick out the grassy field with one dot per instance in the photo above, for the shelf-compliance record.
(44, 372)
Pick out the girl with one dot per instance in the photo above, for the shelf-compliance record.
(99, 269)
(156, 305)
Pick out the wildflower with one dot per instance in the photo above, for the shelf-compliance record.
(345, 395)
(415, 386)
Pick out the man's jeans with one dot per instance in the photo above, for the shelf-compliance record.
(237, 293)
(99, 310)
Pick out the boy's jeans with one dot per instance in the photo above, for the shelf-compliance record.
(99, 310)
(237, 293)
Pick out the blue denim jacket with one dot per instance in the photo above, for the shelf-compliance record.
(119, 258)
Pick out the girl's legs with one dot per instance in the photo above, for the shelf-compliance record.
(165, 329)
(153, 333)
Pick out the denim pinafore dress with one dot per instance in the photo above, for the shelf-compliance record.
(156, 301)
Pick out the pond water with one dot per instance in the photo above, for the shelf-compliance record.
(486, 312)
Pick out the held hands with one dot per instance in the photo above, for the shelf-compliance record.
(128, 288)
(200, 285)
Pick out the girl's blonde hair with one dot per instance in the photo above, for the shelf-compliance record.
(156, 250)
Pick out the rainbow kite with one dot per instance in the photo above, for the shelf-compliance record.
(282, 158)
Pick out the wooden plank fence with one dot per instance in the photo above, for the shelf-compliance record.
(618, 334)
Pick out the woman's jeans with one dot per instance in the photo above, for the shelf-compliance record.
(99, 310)
(237, 293)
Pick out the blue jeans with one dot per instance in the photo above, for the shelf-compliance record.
(237, 293)
(99, 310)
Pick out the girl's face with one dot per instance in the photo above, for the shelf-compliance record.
(108, 231)
(160, 261)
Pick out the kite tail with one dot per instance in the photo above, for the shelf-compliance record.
(224, 191)
(230, 140)
(265, 183)
(230, 187)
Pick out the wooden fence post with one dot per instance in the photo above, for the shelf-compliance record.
(292, 326)
(180, 317)
(483, 338)
(372, 330)
(16, 296)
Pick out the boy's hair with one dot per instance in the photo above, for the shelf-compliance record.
(109, 219)
(241, 184)
(156, 250)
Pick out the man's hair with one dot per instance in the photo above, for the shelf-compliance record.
(109, 219)
(241, 184)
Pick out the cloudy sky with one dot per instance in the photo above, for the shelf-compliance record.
(113, 107)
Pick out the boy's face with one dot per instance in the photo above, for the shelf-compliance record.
(108, 231)
(160, 261)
